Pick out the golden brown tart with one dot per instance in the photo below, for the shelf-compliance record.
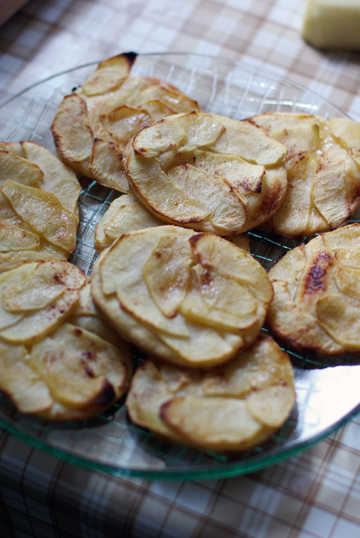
(316, 303)
(193, 299)
(232, 408)
(95, 122)
(38, 205)
(322, 168)
(207, 172)
(58, 359)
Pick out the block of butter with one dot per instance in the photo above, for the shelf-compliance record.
(332, 23)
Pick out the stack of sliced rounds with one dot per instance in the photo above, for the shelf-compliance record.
(316, 303)
(323, 171)
(38, 205)
(193, 299)
(95, 122)
(58, 359)
(207, 172)
(232, 408)
(126, 214)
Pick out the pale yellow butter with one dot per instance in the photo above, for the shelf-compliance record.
(332, 23)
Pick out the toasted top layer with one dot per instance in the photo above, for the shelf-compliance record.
(192, 299)
(126, 214)
(207, 172)
(38, 205)
(95, 122)
(316, 303)
(58, 359)
(234, 407)
(322, 168)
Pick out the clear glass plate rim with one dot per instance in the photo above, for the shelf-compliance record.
(246, 67)
(222, 470)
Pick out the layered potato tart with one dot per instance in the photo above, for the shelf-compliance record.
(95, 122)
(316, 305)
(190, 298)
(207, 172)
(38, 205)
(322, 168)
(233, 407)
(58, 359)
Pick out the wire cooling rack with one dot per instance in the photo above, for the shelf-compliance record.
(110, 442)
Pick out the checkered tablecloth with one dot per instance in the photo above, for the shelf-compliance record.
(315, 494)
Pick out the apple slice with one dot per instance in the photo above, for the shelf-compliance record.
(15, 238)
(106, 165)
(169, 96)
(25, 387)
(347, 280)
(58, 177)
(157, 109)
(217, 423)
(226, 209)
(340, 319)
(7, 280)
(109, 75)
(44, 212)
(293, 217)
(219, 302)
(148, 179)
(185, 132)
(80, 368)
(166, 273)
(240, 266)
(329, 192)
(122, 270)
(42, 287)
(124, 215)
(248, 142)
(270, 406)
(299, 138)
(72, 133)
(347, 132)
(37, 325)
(124, 122)
(20, 170)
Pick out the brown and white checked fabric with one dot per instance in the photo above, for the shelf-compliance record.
(315, 494)
(312, 495)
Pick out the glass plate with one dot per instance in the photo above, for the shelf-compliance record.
(110, 442)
